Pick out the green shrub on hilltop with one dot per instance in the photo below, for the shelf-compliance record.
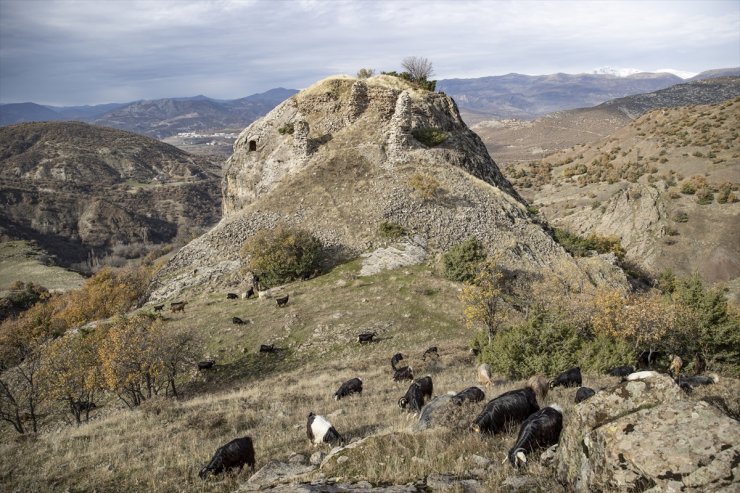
(430, 137)
(391, 230)
(460, 263)
(282, 254)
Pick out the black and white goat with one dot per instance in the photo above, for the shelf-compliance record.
(319, 430)
(539, 430)
(353, 386)
(584, 393)
(509, 408)
(236, 453)
(471, 394)
(405, 373)
(569, 378)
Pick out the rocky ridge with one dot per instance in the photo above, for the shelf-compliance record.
(338, 158)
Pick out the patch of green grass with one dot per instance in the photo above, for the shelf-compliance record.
(430, 137)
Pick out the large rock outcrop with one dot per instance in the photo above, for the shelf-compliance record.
(645, 436)
(338, 159)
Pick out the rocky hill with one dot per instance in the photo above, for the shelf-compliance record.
(666, 184)
(519, 140)
(84, 192)
(529, 96)
(345, 155)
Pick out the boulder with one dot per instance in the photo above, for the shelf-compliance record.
(280, 472)
(644, 435)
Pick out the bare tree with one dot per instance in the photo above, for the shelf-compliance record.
(419, 68)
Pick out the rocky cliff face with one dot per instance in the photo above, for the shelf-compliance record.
(338, 159)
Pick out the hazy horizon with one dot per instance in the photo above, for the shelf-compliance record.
(85, 52)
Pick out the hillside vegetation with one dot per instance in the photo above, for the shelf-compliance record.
(267, 395)
(666, 185)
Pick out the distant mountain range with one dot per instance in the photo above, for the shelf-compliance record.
(156, 118)
(507, 96)
(527, 96)
(516, 140)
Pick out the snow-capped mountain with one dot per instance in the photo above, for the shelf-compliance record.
(625, 72)
(619, 72)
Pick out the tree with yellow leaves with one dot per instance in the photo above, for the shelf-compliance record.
(483, 299)
(128, 358)
(71, 370)
(107, 293)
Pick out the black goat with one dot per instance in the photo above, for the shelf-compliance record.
(353, 386)
(414, 397)
(569, 378)
(621, 371)
(395, 359)
(432, 351)
(267, 348)
(232, 296)
(471, 394)
(509, 408)
(282, 301)
(366, 337)
(206, 365)
(239, 321)
(584, 393)
(236, 453)
(541, 429)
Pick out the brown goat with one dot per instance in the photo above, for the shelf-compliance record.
(484, 375)
(540, 385)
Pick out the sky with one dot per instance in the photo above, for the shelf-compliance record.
(65, 52)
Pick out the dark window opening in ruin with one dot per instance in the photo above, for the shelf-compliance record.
(252, 145)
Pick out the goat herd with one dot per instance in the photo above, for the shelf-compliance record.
(539, 427)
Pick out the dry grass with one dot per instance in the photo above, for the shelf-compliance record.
(161, 446)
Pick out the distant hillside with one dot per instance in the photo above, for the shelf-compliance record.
(516, 140)
(720, 72)
(527, 96)
(666, 184)
(84, 192)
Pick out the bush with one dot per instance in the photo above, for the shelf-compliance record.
(539, 345)
(288, 128)
(581, 247)
(282, 254)
(602, 353)
(704, 196)
(460, 262)
(681, 217)
(427, 186)
(430, 137)
(391, 230)
(365, 73)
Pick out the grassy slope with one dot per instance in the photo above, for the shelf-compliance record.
(162, 445)
(21, 261)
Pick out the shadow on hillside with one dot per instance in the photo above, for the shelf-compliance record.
(248, 368)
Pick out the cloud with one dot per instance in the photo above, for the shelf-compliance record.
(88, 51)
